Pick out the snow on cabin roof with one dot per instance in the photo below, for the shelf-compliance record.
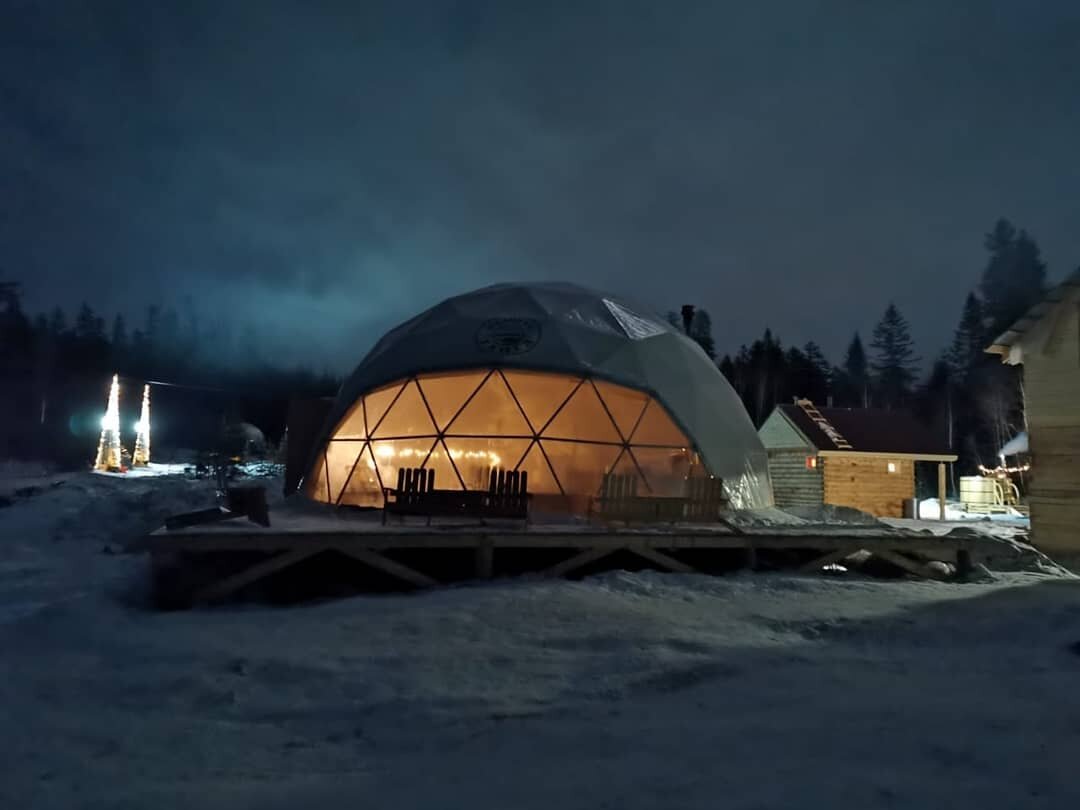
(1011, 336)
(867, 430)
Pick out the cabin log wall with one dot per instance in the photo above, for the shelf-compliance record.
(794, 484)
(866, 483)
(1051, 357)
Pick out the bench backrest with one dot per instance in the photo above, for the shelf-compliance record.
(413, 484)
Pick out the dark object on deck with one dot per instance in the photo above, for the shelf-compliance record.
(249, 502)
(507, 496)
(305, 420)
(911, 508)
(619, 501)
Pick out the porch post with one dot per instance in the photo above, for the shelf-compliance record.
(941, 489)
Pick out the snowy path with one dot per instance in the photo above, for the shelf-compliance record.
(624, 691)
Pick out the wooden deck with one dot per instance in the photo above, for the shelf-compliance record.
(298, 535)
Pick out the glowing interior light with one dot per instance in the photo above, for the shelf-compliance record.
(108, 452)
(141, 456)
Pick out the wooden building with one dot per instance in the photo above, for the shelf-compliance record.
(1046, 341)
(859, 457)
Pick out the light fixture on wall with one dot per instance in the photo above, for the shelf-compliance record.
(892, 466)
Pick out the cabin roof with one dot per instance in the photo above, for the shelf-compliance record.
(867, 430)
(1011, 336)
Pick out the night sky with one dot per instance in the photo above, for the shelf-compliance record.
(330, 168)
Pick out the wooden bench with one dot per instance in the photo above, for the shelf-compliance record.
(619, 501)
(506, 497)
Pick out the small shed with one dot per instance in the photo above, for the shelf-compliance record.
(859, 457)
(1046, 341)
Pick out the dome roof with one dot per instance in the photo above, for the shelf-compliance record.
(563, 328)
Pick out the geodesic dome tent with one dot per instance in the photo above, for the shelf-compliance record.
(552, 379)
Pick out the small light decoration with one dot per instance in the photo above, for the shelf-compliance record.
(892, 467)
(811, 462)
(141, 456)
(108, 453)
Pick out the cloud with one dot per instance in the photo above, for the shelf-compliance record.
(327, 169)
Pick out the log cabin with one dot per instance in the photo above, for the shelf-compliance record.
(1046, 342)
(859, 457)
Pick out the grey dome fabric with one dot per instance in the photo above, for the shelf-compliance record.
(563, 328)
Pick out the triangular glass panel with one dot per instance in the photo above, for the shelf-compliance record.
(666, 469)
(446, 477)
(583, 417)
(580, 467)
(352, 426)
(491, 412)
(446, 393)
(624, 404)
(376, 403)
(656, 427)
(315, 486)
(407, 416)
(540, 395)
(340, 458)
(476, 458)
(402, 454)
(541, 481)
(363, 487)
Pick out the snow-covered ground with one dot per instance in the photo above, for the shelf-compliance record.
(622, 691)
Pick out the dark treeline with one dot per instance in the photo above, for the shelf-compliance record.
(973, 400)
(55, 368)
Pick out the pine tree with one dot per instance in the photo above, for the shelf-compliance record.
(1014, 278)
(894, 361)
(969, 339)
(85, 322)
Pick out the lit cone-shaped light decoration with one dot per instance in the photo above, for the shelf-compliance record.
(108, 453)
(141, 456)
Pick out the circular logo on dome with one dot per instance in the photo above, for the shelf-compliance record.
(508, 335)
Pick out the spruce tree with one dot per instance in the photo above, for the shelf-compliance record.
(1014, 278)
(894, 363)
(856, 375)
(969, 340)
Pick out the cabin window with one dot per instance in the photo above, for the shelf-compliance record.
(811, 462)
(892, 466)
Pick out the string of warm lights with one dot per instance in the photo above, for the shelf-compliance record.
(1002, 471)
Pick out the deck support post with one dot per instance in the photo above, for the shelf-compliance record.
(941, 491)
(964, 566)
(485, 558)
(750, 557)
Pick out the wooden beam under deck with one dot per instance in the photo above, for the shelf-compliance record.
(933, 547)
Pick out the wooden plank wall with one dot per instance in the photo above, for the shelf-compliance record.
(866, 483)
(1052, 400)
(793, 484)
